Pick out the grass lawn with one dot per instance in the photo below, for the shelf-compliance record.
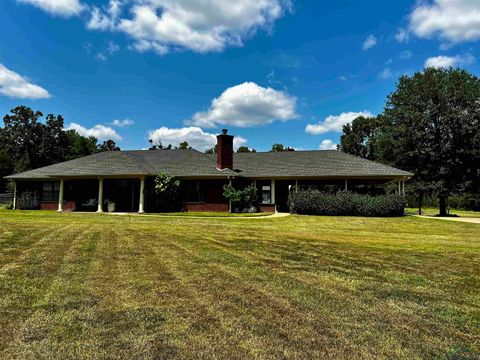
(122, 287)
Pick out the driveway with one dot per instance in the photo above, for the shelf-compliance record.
(459, 219)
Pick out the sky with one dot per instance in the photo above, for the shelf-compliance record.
(270, 71)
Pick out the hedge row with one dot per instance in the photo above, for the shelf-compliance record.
(344, 203)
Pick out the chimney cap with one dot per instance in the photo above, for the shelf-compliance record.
(224, 131)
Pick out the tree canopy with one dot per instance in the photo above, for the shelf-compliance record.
(27, 143)
(430, 126)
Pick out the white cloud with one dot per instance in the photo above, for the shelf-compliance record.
(200, 26)
(111, 49)
(17, 86)
(101, 132)
(450, 61)
(247, 105)
(64, 8)
(405, 55)
(450, 20)
(402, 35)
(195, 136)
(122, 123)
(335, 123)
(106, 18)
(386, 74)
(369, 42)
(327, 144)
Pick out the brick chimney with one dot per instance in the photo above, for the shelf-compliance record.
(224, 150)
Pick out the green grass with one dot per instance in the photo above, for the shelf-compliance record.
(434, 211)
(214, 214)
(138, 287)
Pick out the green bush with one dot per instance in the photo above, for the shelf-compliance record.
(345, 203)
(27, 200)
(244, 200)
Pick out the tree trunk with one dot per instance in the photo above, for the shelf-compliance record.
(443, 205)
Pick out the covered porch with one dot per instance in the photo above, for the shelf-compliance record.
(101, 194)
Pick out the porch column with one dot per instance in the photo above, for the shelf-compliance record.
(272, 191)
(296, 185)
(346, 185)
(14, 195)
(100, 195)
(60, 196)
(399, 187)
(230, 201)
(403, 188)
(142, 196)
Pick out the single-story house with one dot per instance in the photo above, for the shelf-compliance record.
(126, 178)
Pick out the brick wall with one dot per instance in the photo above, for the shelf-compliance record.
(214, 207)
(50, 205)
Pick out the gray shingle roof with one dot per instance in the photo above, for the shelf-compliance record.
(191, 163)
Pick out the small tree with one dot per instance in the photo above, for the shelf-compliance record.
(166, 189)
(243, 199)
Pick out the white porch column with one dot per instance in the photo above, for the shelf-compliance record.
(100, 195)
(346, 185)
(14, 195)
(399, 187)
(403, 188)
(296, 185)
(230, 201)
(60, 196)
(142, 196)
(272, 191)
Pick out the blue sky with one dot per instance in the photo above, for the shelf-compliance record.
(268, 70)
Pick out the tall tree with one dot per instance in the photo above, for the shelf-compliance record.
(184, 145)
(23, 133)
(281, 147)
(360, 138)
(245, 149)
(108, 145)
(434, 119)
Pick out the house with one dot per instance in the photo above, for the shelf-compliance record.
(126, 178)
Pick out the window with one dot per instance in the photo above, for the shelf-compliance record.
(266, 194)
(50, 191)
(194, 193)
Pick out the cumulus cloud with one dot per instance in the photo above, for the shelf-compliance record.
(335, 123)
(64, 8)
(101, 132)
(450, 20)
(369, 42)
(195, 136)
(450, 61)
(246, 105)
(327, 144)
(200, 26)
(122, 123)
(105, 18)
(17, 86)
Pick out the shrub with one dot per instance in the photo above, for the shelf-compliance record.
(166, 192)
(314, 202)
(27, 200)
(244, 200)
